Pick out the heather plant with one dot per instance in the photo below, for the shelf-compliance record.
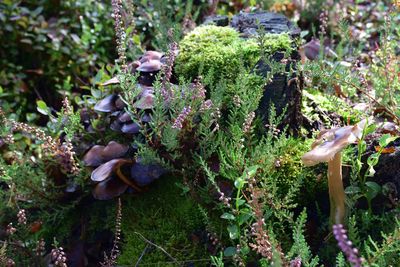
(178, 139)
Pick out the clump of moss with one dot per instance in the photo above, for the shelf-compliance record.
(326, 105)
(165, 217)
(222, 51)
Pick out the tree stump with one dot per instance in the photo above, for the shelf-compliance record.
(284, 92)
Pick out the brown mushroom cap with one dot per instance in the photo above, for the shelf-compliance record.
(130, 128)
(330, 142)
(100, 154)
(94, 157)
(125, 117)
(114, 150)
(113, 80)
(150, 55)
(146, 101)
(105, 170)
(150, 66)
(109, 189)
(311, 49)
(107, 104)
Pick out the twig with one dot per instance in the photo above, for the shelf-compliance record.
(157, 246)
(141, 255)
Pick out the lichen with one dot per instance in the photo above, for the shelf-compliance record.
(222, 51)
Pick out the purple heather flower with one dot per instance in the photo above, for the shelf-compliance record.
(296, 262)
(346, 245)
(181, 118)
(247, 123)
(206, 105)
(199, 90)
(167, 69)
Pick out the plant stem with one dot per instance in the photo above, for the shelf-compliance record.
(336, 190)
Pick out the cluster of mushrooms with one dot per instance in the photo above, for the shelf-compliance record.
(115, 169)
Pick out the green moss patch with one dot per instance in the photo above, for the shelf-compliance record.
(327, 104)
(221, 50)
(165, 217)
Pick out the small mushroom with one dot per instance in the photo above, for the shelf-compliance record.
(130, 128)
(125, 117)
(107, 174)
(107, 104)
(148, 71)
(113, 80)
(150, 55)
(327, 148)
(93, 157)
(146, 100)
(144, 174)
(97, 155)
(105, 170)
(150, 66)
(109, 189)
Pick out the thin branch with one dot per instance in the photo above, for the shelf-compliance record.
(157, 246)
(141, 255)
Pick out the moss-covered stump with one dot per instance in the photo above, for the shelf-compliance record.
(165, 217)
(223, 51)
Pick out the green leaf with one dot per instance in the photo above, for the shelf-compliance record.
(386, 139)
(243, 218)
(233, 231)
(229, 251)
(362, 146)
(95, 93)
(373, 189)
(42, 107)
(370, 129)
(5, 177)
(373, 159)
(228, 216)
(251, 171)
(240, 202)
(352, 189)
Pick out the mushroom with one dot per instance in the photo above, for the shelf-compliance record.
(146, 174)
(98, 155)
(146, 99)
(327, 148)
(131, 68)
(148, 71)
(150, 55)
(107, 104)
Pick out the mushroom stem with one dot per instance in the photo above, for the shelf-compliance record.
(336, 190)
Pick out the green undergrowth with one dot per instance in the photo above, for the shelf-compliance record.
(165, 217)
(326, 105)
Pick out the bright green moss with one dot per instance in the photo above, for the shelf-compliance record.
(327, 104)
(221, 50)
(166, 218)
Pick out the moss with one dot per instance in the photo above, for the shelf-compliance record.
(290, 171)
(327, 104)
(221, 50)
(166, 218)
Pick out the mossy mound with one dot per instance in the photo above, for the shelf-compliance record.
(222, 51)
(165, 217)
(328, 104)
